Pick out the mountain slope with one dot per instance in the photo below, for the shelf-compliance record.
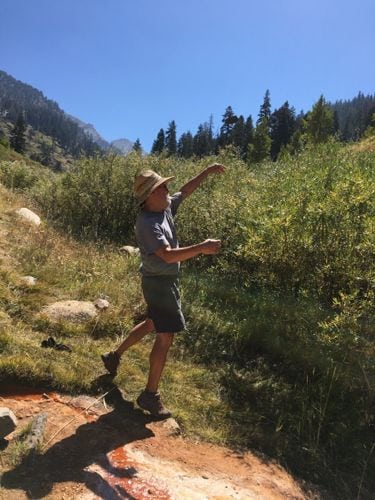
(45, 116)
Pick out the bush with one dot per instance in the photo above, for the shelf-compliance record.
(17, 175)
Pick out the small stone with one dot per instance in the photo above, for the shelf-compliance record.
(171, 426)
(29, 280)
(8, 421)
(101, 304)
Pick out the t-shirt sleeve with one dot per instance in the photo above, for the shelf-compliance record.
(176, 200)
(153, 238)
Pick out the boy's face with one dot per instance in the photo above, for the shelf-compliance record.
(159, 198)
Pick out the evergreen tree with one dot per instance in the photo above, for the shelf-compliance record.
(229, 120)
(159, 143)
(282, 125)
(260, 149)
(265, 109)
(17, 136)
(336, 125)
(185, 145)
(201, 142)
(248, 135)
(137, 146)
(238, 133)
(171, 139)
(319, 122)
(46, 153)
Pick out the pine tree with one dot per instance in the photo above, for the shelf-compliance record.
(17, 136)
(201, 142)
(229, 119)
(248, 135)
(137, 147)
(260, 149)
(159, 143)
(238, 134)
(265, 109)
(319, 122)
(282, 125)
(185, 145)
(171, 139)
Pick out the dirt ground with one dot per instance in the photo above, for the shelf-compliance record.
(110, 449)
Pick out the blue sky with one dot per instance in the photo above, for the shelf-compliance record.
(129, 67)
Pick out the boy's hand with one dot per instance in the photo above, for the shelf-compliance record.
(215, 168)
(210, 247)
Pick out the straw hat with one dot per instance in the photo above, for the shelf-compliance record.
(146, 182)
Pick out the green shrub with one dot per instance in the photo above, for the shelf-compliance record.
(17, 175)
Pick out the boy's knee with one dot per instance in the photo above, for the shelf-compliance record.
(150, 324)
(165, 338)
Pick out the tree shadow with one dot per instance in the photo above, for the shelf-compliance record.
(69, 459)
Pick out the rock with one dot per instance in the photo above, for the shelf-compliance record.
(28, 280)
(171, 426)
(129, 250)
(8, 422)
(28, 215)
(70, 310)
(101, 304)
(35, 436)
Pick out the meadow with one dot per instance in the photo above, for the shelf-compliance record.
(279, 351)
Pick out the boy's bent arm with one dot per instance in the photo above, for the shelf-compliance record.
(173, 255)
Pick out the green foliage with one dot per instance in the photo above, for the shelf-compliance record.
(260, 149)
(95, 200)
(370, 130)
(17, 137)
(319, 122)
(137, 146)
(17, 175)
(316, 236)
(170, 139)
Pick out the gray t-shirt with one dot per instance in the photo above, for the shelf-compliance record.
(154, 230)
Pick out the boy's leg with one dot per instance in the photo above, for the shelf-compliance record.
(111, 359)
(158, 357)
(149, 399)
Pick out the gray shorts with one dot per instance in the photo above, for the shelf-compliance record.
(163, 303)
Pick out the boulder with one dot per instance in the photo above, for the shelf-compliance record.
(129, 250)
(35, 435)
(75, 311)
(28, 280)
(8, 422)
(28, 215)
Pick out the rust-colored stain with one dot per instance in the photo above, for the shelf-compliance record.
(24, 393)
(125, 481)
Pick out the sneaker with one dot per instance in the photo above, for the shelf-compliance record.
(151, 402)
(111, 360)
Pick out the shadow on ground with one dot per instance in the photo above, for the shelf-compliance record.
(68, 459)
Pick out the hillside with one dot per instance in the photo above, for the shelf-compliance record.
(112, 448)
(278, 356)
(53, 137)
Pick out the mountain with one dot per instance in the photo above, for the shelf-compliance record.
(91, 132)
(123, 145)
(44, 117)
(120, 146)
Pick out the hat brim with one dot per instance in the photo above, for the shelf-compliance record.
(160, 182)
